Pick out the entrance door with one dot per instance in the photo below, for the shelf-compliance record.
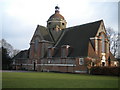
(34, 66)
(103, 63)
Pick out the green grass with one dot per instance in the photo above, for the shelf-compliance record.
(56, 80)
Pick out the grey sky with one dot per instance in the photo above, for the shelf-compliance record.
(19, 18)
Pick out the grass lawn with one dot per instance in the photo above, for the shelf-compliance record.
(56, 80)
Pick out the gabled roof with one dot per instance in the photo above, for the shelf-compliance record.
(24, 54)
(42, 33)
(78, 38)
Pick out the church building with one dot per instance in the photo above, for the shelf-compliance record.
(56, 48)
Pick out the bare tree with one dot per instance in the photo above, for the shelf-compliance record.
(15, 52)
(114, 41)
(10, 50)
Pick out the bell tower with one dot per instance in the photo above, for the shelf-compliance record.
(56, 23)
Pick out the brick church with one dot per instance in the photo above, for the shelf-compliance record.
(60, 49)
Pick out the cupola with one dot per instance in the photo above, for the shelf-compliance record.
(56, 23)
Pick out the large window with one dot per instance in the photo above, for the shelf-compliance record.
(36, 45)
(103, 43)
(107, 47)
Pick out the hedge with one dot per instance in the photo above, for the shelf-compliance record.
(113, 71)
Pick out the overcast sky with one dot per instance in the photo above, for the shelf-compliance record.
(20, 18)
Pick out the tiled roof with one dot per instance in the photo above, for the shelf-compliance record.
(43, 33)
(78, 38)
(22, 54)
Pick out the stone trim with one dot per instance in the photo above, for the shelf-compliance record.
(56, 65)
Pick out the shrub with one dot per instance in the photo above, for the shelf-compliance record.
(114, 71)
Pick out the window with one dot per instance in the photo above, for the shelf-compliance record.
(63, 24)
(103, 43)
(103, 63)
(43, 48)
(36, 45)
(49, 61)
(93, 63)
(49, 23)
(103, 60)
(63, 61)
(109, 62)
(49, 52)
(96, 43)
(115, 63)
(107, 47)
(81, 61)
(65, 51)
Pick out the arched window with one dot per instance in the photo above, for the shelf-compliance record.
(103, 43)
(103, 63)
(63, 24)
(49, 23)
(36, 45)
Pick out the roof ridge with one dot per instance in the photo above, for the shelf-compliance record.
(85, 24)
(41, 26)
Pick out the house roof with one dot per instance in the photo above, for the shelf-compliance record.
(24, 54)
(77, 38)
(42, 33)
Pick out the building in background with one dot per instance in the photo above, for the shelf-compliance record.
(60, 49)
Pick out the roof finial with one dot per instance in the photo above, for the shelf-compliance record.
(57, 8)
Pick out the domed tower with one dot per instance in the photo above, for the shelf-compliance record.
(56, 23)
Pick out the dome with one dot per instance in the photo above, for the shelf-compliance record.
(56, 22)
(56, 15)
